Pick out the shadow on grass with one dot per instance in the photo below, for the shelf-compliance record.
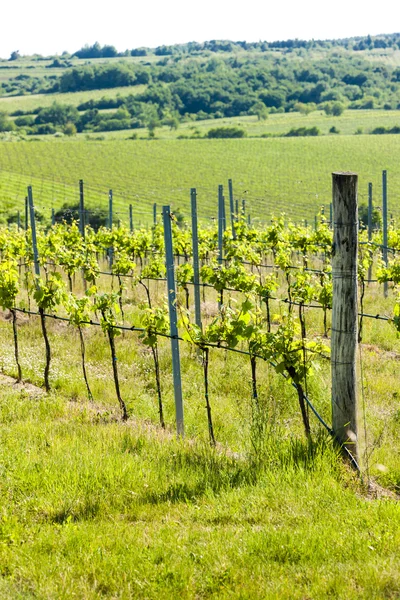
(201, 470)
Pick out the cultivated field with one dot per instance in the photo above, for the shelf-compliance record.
(274, 175)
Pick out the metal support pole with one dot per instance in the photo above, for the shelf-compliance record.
(131, 218)
(81, 209)
(176, 365)
(33, 229)
(155, 213)
(110, 225)
(220, 224)
(195, 246)
(370, 208)
(26, 213)
(344, 310)
(385, 227)
(232, 208)
(110, 209)
(237, 210)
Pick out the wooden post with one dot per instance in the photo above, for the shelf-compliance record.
(344, 310)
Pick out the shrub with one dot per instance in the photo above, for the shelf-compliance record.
(226, 132)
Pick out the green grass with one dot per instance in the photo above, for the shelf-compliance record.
(30, 102)
(292, 175)
(94, 508)
(279, 124)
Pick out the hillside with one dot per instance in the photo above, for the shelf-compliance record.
(192, 82)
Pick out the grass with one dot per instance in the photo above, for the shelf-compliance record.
(30, 102)
(276, 175)
(95, 508)
(280, 124)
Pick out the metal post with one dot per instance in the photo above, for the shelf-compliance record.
(237, 210)
(370, 208)
(243, 208)
(176, 366)
(81, 209)
(195, 246)
(231, 208)
(110, 225)
(110, 209)
(385, 227)
(26, 213)
(155, 213)
(33, 229)
(344, 310)
(223, 214)
(220, 224)
(131, 218)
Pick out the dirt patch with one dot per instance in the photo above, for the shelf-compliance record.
(29, 388)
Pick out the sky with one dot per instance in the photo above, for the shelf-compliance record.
(47, 27)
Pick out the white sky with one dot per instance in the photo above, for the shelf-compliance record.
(48, 27)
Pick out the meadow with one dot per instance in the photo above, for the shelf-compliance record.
(273, 175)
(29, 103)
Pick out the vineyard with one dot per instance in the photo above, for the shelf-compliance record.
(107, 364)
(271, 175)
(251, 292)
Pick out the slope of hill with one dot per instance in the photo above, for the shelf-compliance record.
(200, 81)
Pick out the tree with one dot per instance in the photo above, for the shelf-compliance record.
(337, 109)
(69, 129)
(260, 110)
(5, 123)
(15, 55)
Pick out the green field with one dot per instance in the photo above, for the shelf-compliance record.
(291, 175)
(30, 102)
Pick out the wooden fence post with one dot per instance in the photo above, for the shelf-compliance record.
(344, 310)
